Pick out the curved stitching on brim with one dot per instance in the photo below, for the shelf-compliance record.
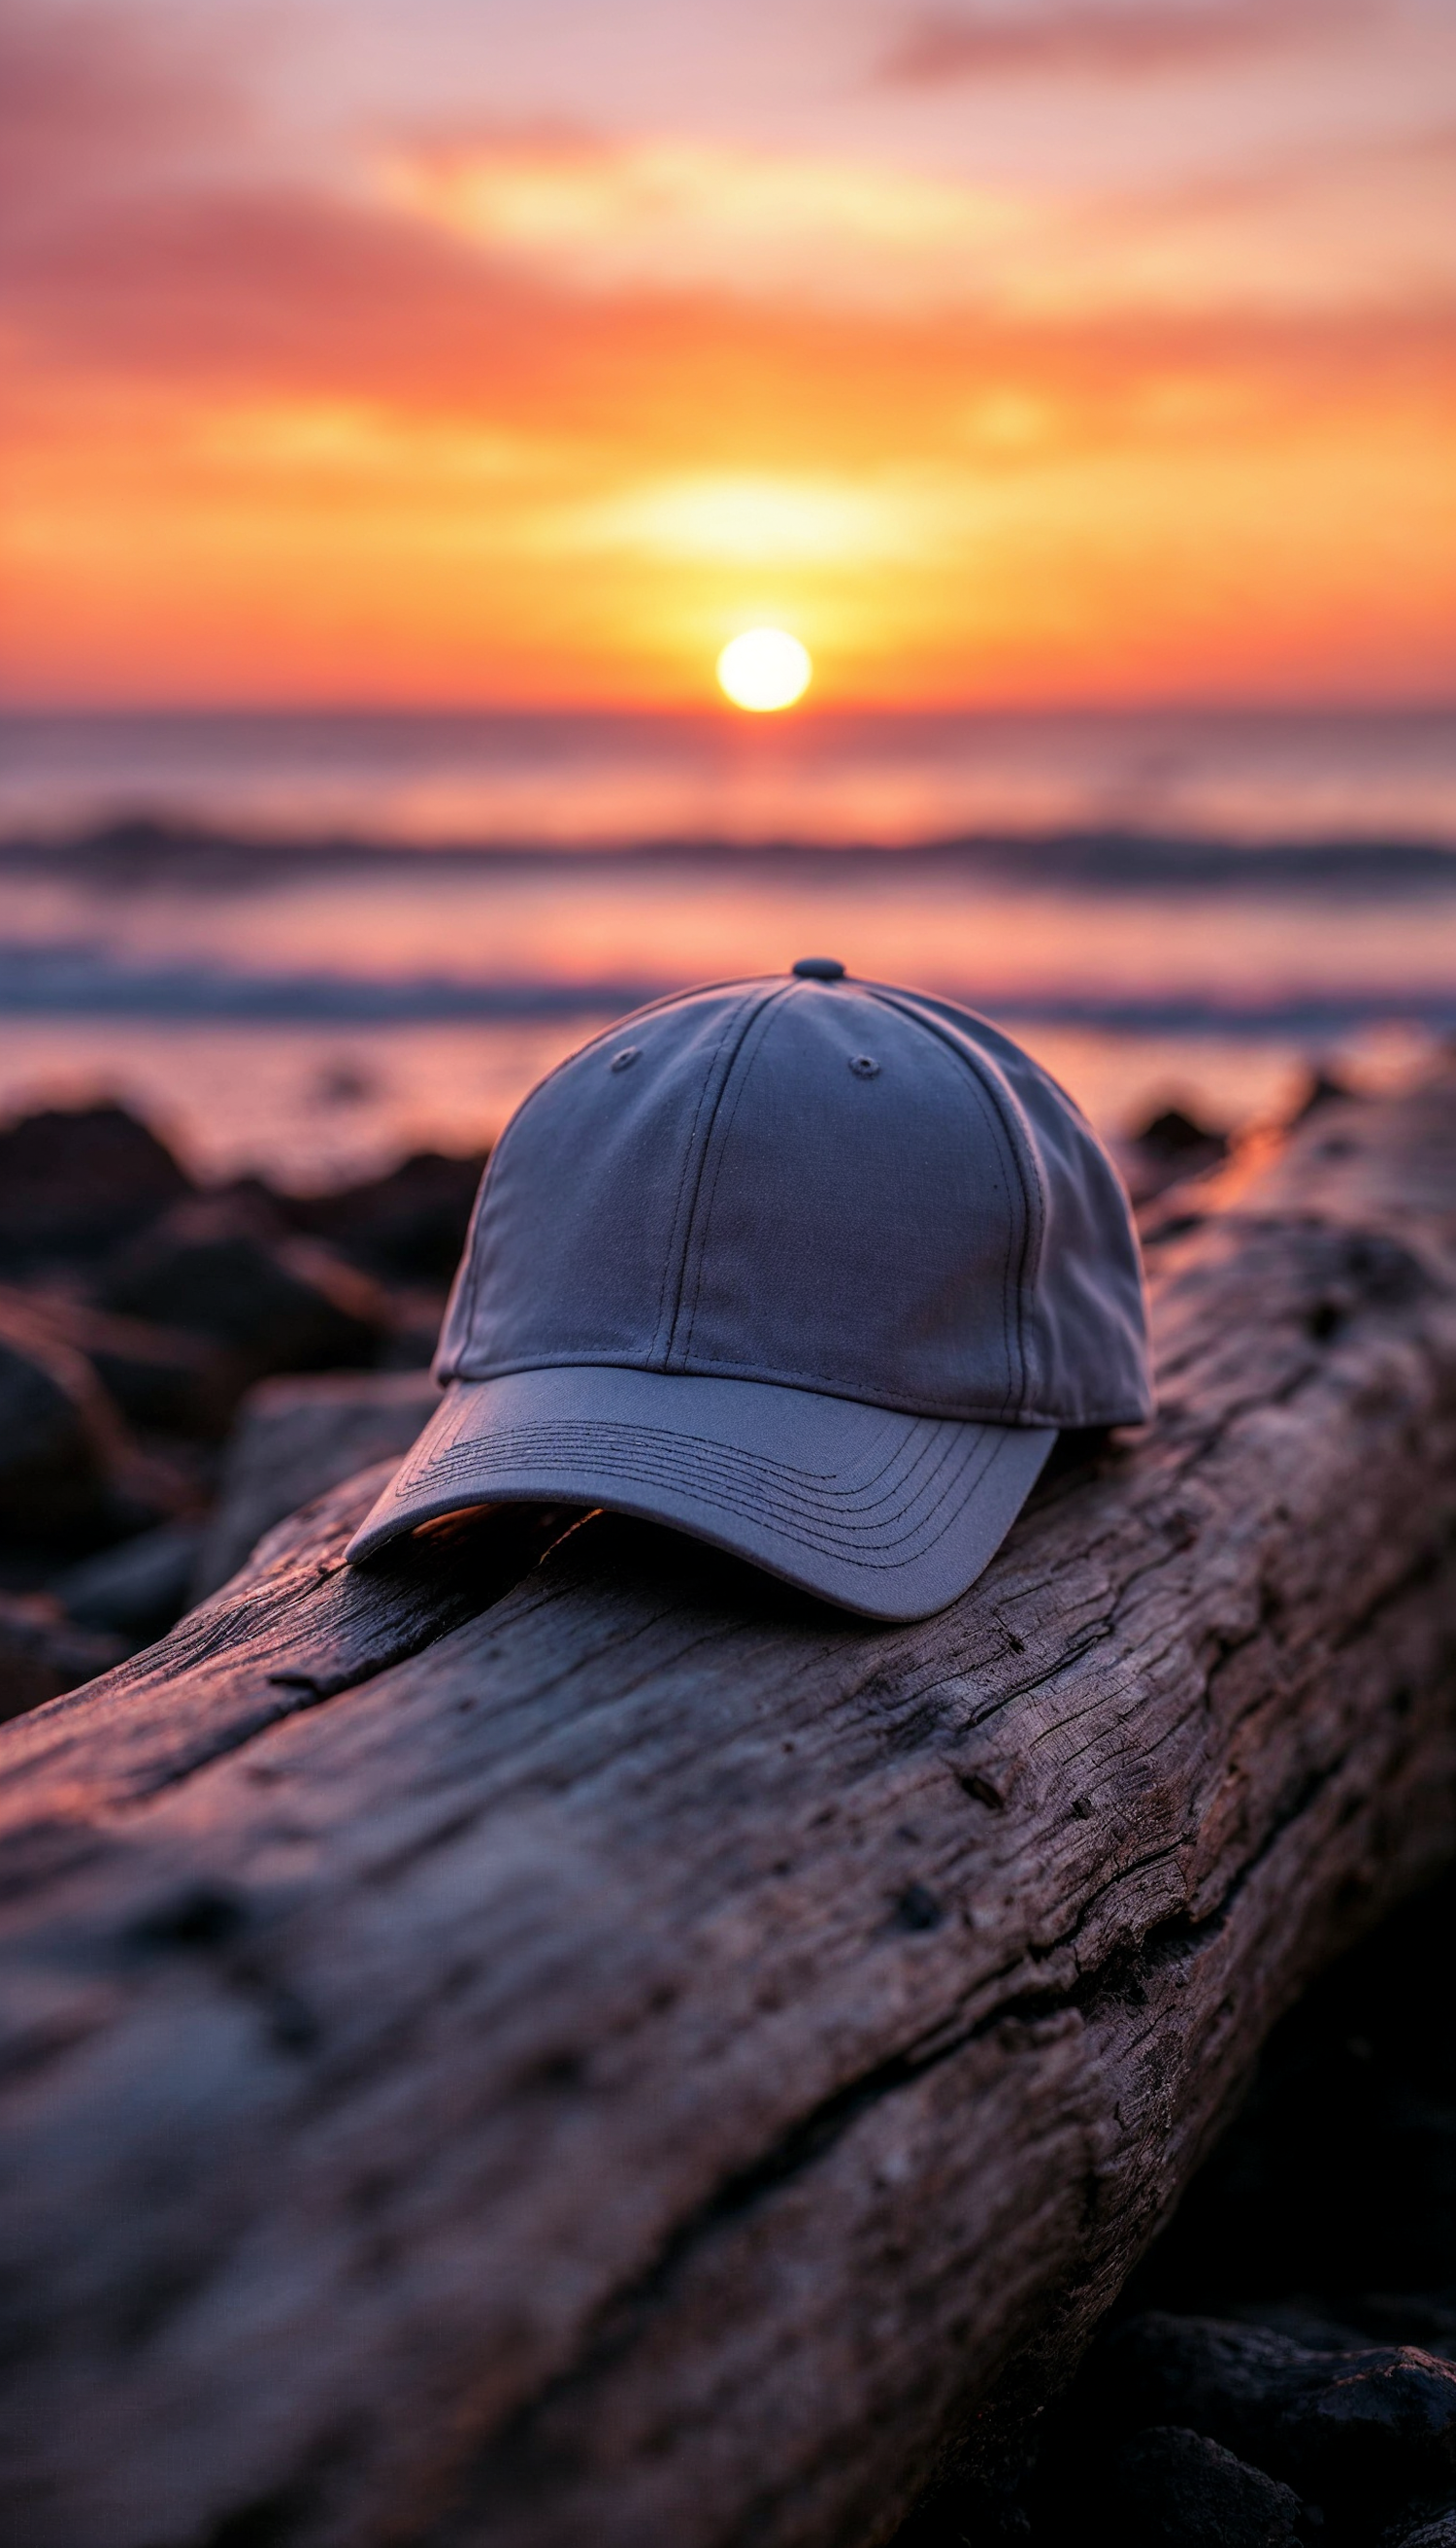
(909, 1437)
(736, 1499)
(606, 1436)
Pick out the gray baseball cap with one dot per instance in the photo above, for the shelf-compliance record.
(814, 1269)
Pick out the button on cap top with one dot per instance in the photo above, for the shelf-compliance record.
(820, 968)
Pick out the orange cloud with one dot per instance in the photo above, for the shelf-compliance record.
(609, 214)
(1320, 227)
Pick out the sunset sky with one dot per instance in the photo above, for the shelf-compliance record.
(467, 352)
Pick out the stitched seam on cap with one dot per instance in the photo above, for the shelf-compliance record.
(471, 1254)
(783, 1527)
(797, 1485)
(648, 1459)
(682, 1462)
(702, 1223)
(762, 1004)
(988, 1106)
(1027, 1176)
(661, 1345)
(474, 1253)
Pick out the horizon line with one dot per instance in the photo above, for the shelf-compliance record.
(736, 721)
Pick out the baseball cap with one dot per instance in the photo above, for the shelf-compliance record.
(814, 1269)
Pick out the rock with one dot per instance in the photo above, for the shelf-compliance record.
(1369, 2433)
(161, 1379)
(75, 1183)
(1325, 1088)
(1171, 2487)
(1171, 1145)
(295, 1438)
(410, 1225)
(43, 1654)
(216, 1268)
(61, 1441)
(138, 1588)
(1439, 2533)
(252, 1196)
(1308, 2324)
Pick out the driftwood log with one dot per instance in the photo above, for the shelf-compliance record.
(619, 2056)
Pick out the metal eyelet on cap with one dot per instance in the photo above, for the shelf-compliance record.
(624, 1060)
(863, 1067)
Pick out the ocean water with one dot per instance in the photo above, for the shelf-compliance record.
(891, 779)
(305, 944)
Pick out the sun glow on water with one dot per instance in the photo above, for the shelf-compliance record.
(764, 669)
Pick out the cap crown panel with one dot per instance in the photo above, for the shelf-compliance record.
(576, 1246)
(1087, 1320)
(856, 1231)
(1083, 1300)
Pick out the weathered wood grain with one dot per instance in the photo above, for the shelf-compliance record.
(648, 2057)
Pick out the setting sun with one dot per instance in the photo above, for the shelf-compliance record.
(764, 669)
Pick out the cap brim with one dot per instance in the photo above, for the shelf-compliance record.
(893, 1515)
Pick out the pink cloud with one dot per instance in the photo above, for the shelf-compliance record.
(1105, 38)
(92, 102)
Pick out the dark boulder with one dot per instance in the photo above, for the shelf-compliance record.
(1368, 2433)
(410, 1225)
(76, 1182)
(1325, 1088)
(215, 1267)
(1171, 1145)
(43, 1654)
(295, 1438)
(61, 1447)
(162, 1379)
(1171, 2487)
(137, 1590)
